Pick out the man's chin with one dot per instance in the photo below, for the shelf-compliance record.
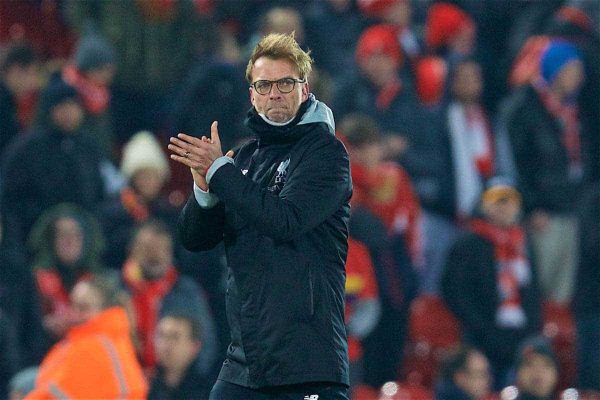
(278, 117)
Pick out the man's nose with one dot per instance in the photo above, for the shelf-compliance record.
(274, 92)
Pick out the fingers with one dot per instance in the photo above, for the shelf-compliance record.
(214, 132)
(230, 153)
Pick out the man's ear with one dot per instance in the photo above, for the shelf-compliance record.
(251, 95)
(305, 91)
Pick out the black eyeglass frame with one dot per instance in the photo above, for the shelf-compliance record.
(277, 82)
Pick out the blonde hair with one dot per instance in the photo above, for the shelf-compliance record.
(281, 46)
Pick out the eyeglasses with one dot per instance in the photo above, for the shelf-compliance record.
(284, 85)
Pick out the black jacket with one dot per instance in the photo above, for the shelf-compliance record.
(193, 386)
(283, 216)
(470, 289)
(45, 168)
(540, 156)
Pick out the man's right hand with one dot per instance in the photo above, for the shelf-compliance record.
(199, 180)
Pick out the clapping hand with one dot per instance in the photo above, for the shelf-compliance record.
(198, 154)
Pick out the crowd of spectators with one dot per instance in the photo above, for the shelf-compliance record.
(473, 133)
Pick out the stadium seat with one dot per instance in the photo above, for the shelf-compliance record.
(432, 331)
(559, 327)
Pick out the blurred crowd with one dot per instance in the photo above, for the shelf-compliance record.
(472, 126)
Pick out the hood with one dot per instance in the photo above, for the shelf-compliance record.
(318, 112)
(41, 238)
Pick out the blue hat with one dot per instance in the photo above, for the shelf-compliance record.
(558, 54)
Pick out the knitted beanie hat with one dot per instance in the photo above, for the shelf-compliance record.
(556, 56)
(379, 39)
(444, 22)
(143, 151)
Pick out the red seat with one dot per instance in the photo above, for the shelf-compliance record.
(559, 327)
(431, 321)
(432, 331)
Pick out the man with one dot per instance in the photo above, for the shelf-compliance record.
(537, 370)
(281, 207)
(489, 281)
(18, 80)
(96, 359)
(178, 343)
(465, 375)
(553, 153)
(156, 288)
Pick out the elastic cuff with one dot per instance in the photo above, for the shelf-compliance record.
(205, 199)
(218, 163)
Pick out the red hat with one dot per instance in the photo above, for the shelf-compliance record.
(444, 22)
(375, 8)
(430, 76)
(379, 39)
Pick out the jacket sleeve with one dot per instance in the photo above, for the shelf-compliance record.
(200, 229)
(316, 188)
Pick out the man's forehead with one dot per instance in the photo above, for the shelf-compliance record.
(273, 69)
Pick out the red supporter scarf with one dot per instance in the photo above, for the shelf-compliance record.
(53, 293)
(477, 120)
(387, 192)
(135, 208)
(513, 268)
(95, 98)
(147, 298)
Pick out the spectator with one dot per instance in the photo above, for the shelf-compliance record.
(145, 169)
(54, 164)
(178, 344)
(19, 80)
(587, 299)
(91, 73)
(96, 359)
(398, 13)
(536, 370)
(380, 91)
(551, 155)
(22, 383)
(66, 243)
(157, 288)
(465, 375)
(470, 136)
(381, 186)
(489, 282)
(578, 22)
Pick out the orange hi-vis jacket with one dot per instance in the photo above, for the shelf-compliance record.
(96, 360)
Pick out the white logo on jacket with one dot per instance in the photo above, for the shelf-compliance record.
(280, 176)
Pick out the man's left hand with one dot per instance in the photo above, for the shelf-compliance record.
(197, 154)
